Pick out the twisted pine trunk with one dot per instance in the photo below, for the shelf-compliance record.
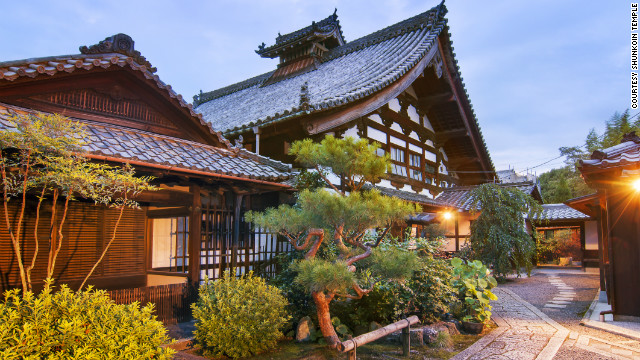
(324, 318)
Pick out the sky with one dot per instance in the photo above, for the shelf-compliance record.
(540, 74)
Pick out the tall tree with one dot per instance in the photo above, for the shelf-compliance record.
(41, 156)
(498, 235)
(345, 213)
(559, 185)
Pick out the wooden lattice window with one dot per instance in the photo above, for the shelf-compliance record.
(415, 166)
(170, 244)
(398, 161)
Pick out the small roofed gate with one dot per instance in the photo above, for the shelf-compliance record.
(228, 241)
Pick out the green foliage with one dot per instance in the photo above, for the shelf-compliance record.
(559, 185)
(426, 292)
(321, 275)
(44, 153)
(353, 160)
(238, 316)
(300, 303)
(443, 341)
(562, 184)
(78, 325)
(473, 285)
(394, 263)
(561, 244)
(498, 235)
(310, 180)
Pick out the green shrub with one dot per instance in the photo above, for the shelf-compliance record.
(300, 302)
(78, 325)
(473, 284)
(238, 317)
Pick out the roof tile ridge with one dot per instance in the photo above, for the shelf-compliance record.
(243, 153)
(204, 97)
(390, 32)
(51, 65)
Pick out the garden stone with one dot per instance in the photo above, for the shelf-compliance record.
(449, 328)
(303, 332)
(429, 335)
(374, 326)
(416, 337)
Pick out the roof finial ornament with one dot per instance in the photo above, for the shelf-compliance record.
(631, 137)
(335, 13)
(118, 43)
(304, 96)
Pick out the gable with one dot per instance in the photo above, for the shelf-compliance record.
(109, 82)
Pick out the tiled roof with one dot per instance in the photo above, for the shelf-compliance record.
(460, 196)
(90, 60)
(347, 74)
(131, 144)
(410, 196)
(625, 154)
(326, 25)
(559, 212)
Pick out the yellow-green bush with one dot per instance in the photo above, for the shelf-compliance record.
(77, 325)
(238, 317)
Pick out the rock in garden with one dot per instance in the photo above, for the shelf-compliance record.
(305, 327)
(429, 335)
(373, 326)
(448, 327)
(416, 337)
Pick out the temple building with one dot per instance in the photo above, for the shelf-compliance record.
(399, 87)
(193, 226)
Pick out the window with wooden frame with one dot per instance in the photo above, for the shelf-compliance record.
(415, 166)
(398, 165)
(170, 247)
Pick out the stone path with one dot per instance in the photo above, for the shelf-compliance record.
(523, 333)
(565, 293)
(526, 333)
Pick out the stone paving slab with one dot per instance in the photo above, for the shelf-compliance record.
(523, 333)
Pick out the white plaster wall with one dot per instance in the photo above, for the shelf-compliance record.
(394, 105)
(590, 235)
(414, 136)
(396, 127)
(376, 135)
(430, 156)
(413, 114)
(376, 118)
(385, 183)
(353, 132)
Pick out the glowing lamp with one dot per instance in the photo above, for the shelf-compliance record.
(636, 185)
(447, 215)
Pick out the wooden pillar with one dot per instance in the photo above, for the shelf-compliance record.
(195, 236)
(406, 341)
(583, 245)
(237, 206)
(599, 219)
(456, 231)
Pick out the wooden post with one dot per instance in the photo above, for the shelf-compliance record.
(351, 355)
(195, 236)
(363, 339)
(457, 230)
(236, 231)
(406, 340)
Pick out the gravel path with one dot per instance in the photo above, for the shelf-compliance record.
(582, 342)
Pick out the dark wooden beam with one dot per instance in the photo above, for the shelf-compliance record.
(195, 236)
(443, 136)
(458, 162)
(427, 102)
